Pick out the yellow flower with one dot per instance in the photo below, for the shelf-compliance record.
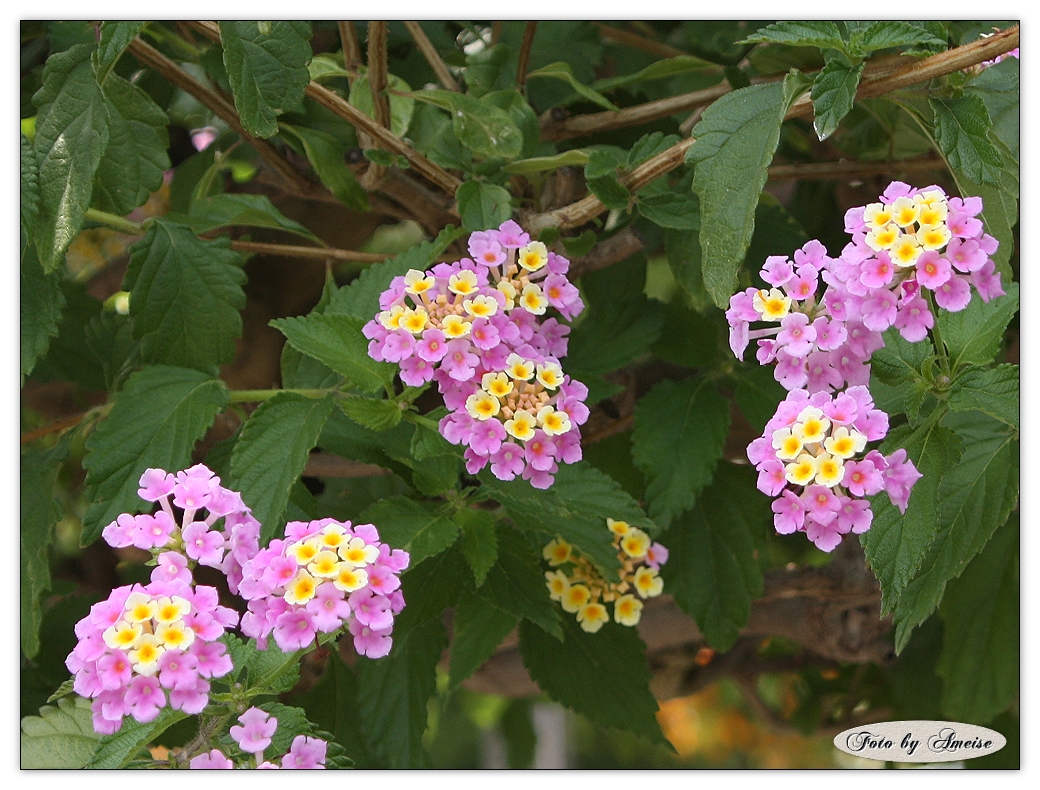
(533, 257)
(934, 238)
(647, 583)
(522, 426)
(169, 610)
(532, 300)
(845, 443)
(549, 375)
(325, 564)
(519, 368)
(175, 636)
(391, 318)
(304, 551)
(463, 283)
(553, 422)
(635, 543)
(350, 579)
(497, 384)
(876, 215)
(787, 445)
(829, 470)
(882, 238)
(576, 597)
(481, 306)
(301, 589)
(558, 583)
(507, 288)
(801, 471)
(455, 326)
(812, 426)
(933, 213)
(482, 406)
(139, 607)
(145, 654)
(592, 616)
(357, 553)
(619, 528)
(772, 305)
(905, 211)
(122, 635)
(627, 610)
(414, 320)
(907, 250)
(416, 282)
(557, 551)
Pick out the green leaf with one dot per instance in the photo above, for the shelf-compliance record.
(336, 340)
(515, 583)
(736, 139)
(401, 107)
(437, 467)
(255, 211)
(668, 67)
(825, 35)
(266, 63)
(478, 541)
(538, 164)
(991, 391)
(691, 339)
(896, 543)
(115, 751)
(900, 360)
(713, 570)
(61, 736)
(135, 159)
(326, 66)
(41, 306)
(393, 693)
(482, 205)
(962, 128)
(257, 668)
(833, 94)
(671, 210)
(484, 129)
(975, 497)
(1000, 212)
(185, 294)
(562, 71)
(325, 153)
(602, 676)
(888, 34)
(757, 394)
(361, 298)
(974, 335)
(372, 413)
(679, 434)
(30, 192)
(115, 38)
(292, 721)
(478, 627)
(610, 191)
(71, 136)
(979, 663)
(272, 451)
(404, 523)
(154, 423)
(576, 508)
(998, 87)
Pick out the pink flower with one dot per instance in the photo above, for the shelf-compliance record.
(254, 730)
(305, 753)
(211, 760)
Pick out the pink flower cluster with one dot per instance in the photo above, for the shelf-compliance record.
(253, 735)
(810, 457)
(484, 316)
(325, 575)
(911, 242)
(195, 539)
(146, 647)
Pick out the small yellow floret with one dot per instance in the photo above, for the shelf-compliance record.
(304, 551)
(414, 321)
(557, 551)
(482, 406)
(332, 536)
(772, 305)
(416, 282)
(519, 368)
(829, 470)
(122, 635)
(497, 384)
(882, 238)
(549, 375)
(175, 636)
(301, 589)
(557, 583)
(169, 610)
(325, 564)
(532, 299)
(507, 288)
(787, 445)
(553, 422)
(350, 579)
(635, 543)
(934, 238)
(533, 257)
(905, 211)
(619, 528)
(801, 471)
(454, 326)
(522, 426)
(627, 610)
(933, 214)
(481, 306)
(576, 597)
(844, 443)
(356, 553)
(391, 318)
(146, 654)
(463, 283)
(592, 616)
(906, 251)
(876, 215)
(139, 607)
(647, 583)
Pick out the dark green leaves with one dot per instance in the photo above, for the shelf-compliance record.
(736, 139)
(61, 736)
(825, 35)
(325, 153)
(562, 71)
(271, 452)
(482, 205)
(405, 524)
(372, 413)
(40, 306)
(680, 431)
(993, 391)
(962, 128)
(973, 335)
(155, 422)
(478, 541)
(712, 570)
(833, 93)
(863, 37)
(116, 751)
(185, 294)
(515, 583)
(71, 136)
(266, 63)
(602, 675)
(255, 211)
(478, 628)
(483, 128)
(115, 38)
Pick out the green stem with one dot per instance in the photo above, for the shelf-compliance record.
(118, 223)
(254, 396)
(419, 419)
(264, 684)
(940, 346)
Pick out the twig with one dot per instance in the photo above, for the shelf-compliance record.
(377, 84)
(525, 54)
(329, 465)
(616, 427)
(351, 48)
(440, 68)
(850, 170)
(220, 107)
(636, 41)
(313, 253)
(496, 32)
(54, 427)
(621, 245)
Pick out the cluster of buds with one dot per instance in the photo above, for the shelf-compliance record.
(253, 735)
(196, 538)
(910, 242)
(582, 590)
(469, 324)
(324, 576)
(144, 643)
(811, 458)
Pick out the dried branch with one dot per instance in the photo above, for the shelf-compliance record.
(525, 54)
(850, 170)
(351, 48)
(329, 465)
(621, 245)
(636, 41)
(311, 253)
(440, 68)
(378, 67)
(54, 427)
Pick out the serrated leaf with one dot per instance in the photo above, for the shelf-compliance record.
(679, 434)
(610, 191)
(261, 668)
(649, 146)
(372, 413)
(900, 360)
(255, 211)
(736, 139)
(185, 297)
(71, 136)
(483, 128)
(974, 335)
(336, 340)
(896, 543)
(991, 391)
(667, 67)
(671, 210)
(135, 158)
(482, 205)
(361, 298)
(576, 508)
(562, 71)
(393, 693)
(292, 721)
(962, 128)
(61, 736)
(405, 524)
(757, 394)
(115, 751)
(825, 35)
(401, 107)
(40, 307)
(998, 87)
(478, 628)
(776, 232)
(29, 191)
(478, 541)
(115, 38)
(712, 568)
(272, 451)
(1000, 212)
(538, 164)
(515, 583)
(602, 676)
(833, 94)
(155, 421)
(980, 659)
(325, 153)
(975, 497)
(604, 160)
(871, 37)
(266, 63)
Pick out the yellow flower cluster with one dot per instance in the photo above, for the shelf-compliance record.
(813, 451)
(908, 226)
(583, 592)
(522, 404)
(148, 628)
(329, 556)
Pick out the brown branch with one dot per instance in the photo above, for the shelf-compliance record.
(311, 253)
(351, 48)
(54, 427)
(496, 32)
(329, 465)
(621, 245)
(377, 84)
(440, 68)
(850, 170)
(219, 106)
(636, 41)
(525, 54)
